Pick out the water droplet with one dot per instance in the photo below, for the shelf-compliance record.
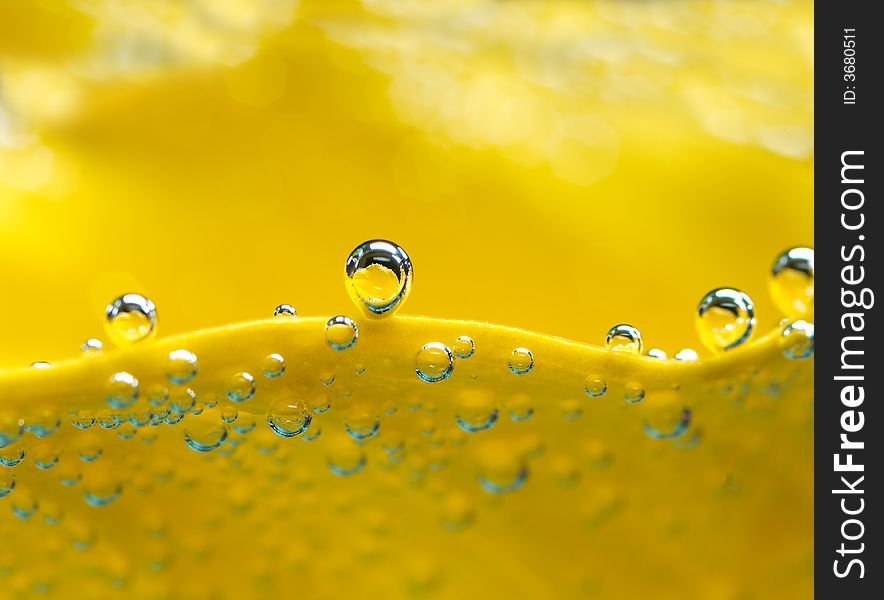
(92, 347)
(475, 411)
(595, 386)
(434, 362)
(285, 310)
(7, 483)
(90, 449)
(126, 431)
(361, 423)
(181, 401)
(464, 347)
(341, 333)
(520, 408)
(69, 474)
(11, 429)
(229, 414)
(157, 395)
(204, 434)
(457, 512)
(102, 492)
(244, 424)
(83, 419)
(140, 417)
(12, 456)
(633, 392)
(725, 319)
(44, 424)
(24, 504)
(378, 277)
(521, 361)
(791, 282)
(320, 404)
(657, 353)
(274, 366)
(241, 387)
(129, 319)
(344, 457)
(41, 364)
(312, 434)
(797, 340)
(687, 355)
(182, 367)
(122, 390)
(624, 338)
(571, 409)
(109, 419)
(676, 431)
(173, 418)
(501, 473)
(289, 419)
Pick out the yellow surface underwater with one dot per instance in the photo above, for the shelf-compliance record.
(550, 169)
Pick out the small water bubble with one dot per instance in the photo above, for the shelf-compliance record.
(378, 277)
(475, 411)
(69, 474)
(657, 353)
(521, 361)
(274, 366)
(675, 431)
(595, 386)
(173, 418)
(108, 419)
(229, 414)
(44, 424)
(41, 364)
(241, 387)
(791, 282)
(126, 431)
(624, 338)
(204, 434)
(182, 400)
(11, 429)
(687, 355)
(83, 419)
(725, 319)
(344, 457)
(102, 492)
(520, 408)
(464, 347)
(122, 390)
(341, 333)
(157, 394)
(130, 318)
(24, 504)
(11, 456)
(289, 419)
(361, 423)
(796, 340)
(571, 409)
(312, 434)
(244, 424)
(92, 347)
(434, 362)
(502, 473)
(633, 392)
(90, 449)
(284, 310)
(182, 367)
(7, 483)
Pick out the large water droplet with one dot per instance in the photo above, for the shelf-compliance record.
(129, 319)
(521, 361)
(797, 340)
(434, 362)
(624, 338)
(289, 419)
(675, 431)
(341, 333)
(791, 282)
(725, 319)
(182, 367)
(204, 434)
(241, 387)
(378, 277)
(122, 390)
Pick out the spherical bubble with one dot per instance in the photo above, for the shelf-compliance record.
(791, 282)
(521, 361)
(341, 333)
(624, 338)
(130, 318)
(725, 319)
(378, 277)
(433, 363)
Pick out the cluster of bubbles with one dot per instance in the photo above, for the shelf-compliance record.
(379, 278)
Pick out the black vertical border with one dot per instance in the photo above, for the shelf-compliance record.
(841, 127)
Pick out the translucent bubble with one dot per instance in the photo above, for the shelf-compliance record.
(633, 392)
(595, 386)
(122, 390)
(92, 347)
(157, 395)
(378, 277)
(791, 282)
(284, 310)
(109, 419)
(244, 424)
(24, 504)
(725, 319)
(181, 401)
(83, 419)
(102, 492)
(571, 409)
(676, 431)
(12, 455)
(434, 362)
(457, 511)
(521, 361)
(43, 424)
(687, 355)
(90, 449)
(182, 367)
(464, 347)
(475, 411)
(520, 408)
(241, 387)
(140, 417)
(797, 340)
(312, 434)
(173, 418)
(657, 353)
(69, 474)
(289, 419)
(204, 434)
(7, 483)
(502, 474)
(341, 333)
(129, 319)
(624, 338)
(274, 366)
(345, 458)
(361, 423)
(11, 429)
(229, 414)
